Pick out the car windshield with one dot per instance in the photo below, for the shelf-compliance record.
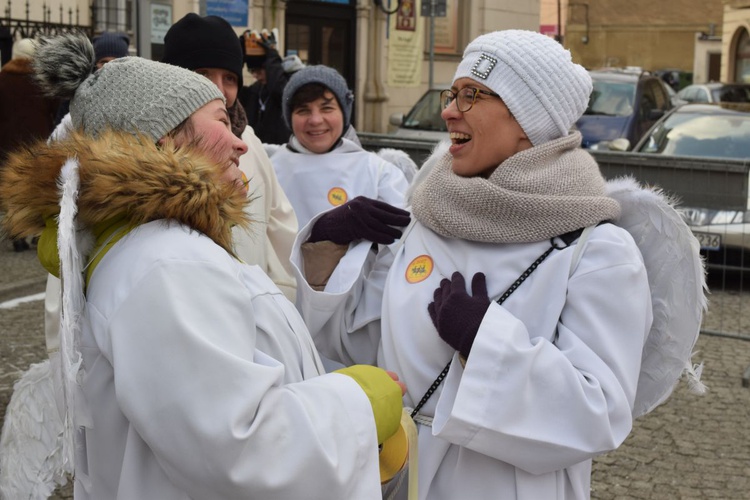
(611, 99)
(696, 134)
(425, 115)
(740, 93)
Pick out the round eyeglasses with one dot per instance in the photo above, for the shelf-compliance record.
(465, 98)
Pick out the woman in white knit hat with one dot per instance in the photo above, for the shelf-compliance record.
(182, 372)
(520, 355)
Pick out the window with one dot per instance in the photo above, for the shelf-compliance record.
(113, 15)
(742, 64)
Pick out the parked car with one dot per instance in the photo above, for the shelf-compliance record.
(423, 121)
(716, 92)
(623, 105)
(712, 131)
(707, 130)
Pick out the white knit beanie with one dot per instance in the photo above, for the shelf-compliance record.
(534, 76)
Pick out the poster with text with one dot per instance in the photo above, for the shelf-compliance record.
(234, 11)
(405, 45)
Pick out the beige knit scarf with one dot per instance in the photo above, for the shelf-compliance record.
(534, 195)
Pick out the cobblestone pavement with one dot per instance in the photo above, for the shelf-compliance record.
(692, 447)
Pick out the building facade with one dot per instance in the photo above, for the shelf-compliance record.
(386, 49)
(735, 44)
(641, 33)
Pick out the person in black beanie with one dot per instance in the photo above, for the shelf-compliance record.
(209, 46)
(109, 46)
(262, 99)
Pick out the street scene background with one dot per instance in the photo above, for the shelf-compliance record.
(690, 448)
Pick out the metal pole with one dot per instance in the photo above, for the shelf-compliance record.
(432, 39)
(144, 28)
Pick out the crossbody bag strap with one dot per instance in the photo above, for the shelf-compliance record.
(568, 239)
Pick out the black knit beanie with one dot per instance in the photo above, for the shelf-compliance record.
(110, 44)
(203, 42)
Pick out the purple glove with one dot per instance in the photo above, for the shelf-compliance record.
(455, 314)
(360, 218)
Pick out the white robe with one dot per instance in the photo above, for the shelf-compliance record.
(268, 241)
(201, 381)
(315, 183)
(525, 416)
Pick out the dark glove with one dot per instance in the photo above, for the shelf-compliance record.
(455, 314)
(360, 218)
(267, 40)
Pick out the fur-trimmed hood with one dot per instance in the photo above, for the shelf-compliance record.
(120, 175)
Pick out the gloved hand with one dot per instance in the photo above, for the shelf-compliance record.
(267, 40)
(455, 314)
(384, 394)
(360, 218)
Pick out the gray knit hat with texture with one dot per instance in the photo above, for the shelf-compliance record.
(130, 94)
(326, 76)
(534, 76)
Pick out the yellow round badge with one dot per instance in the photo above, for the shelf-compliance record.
(419, 269)
(337, 196)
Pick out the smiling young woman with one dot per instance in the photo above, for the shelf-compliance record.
(483, 132)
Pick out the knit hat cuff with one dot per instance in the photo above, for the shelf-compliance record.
(163, 116)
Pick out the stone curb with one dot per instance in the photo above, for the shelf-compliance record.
(22, 288)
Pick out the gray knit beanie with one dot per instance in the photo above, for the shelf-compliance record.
(534, 76)
(326, 76)
(131, 94)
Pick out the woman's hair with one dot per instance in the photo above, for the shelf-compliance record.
(309, 93)
(184, 127)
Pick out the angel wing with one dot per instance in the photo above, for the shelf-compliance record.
(401, 159)
(677, 279)
(31, 460)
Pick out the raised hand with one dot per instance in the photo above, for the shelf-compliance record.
(361, 218)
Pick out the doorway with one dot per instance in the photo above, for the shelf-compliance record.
(323, 33)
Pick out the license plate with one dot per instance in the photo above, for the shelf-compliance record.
(708, 241)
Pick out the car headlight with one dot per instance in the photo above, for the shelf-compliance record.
(707, 217)
(696, 216)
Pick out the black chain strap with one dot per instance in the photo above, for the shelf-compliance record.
(568, 238)
(432, 389)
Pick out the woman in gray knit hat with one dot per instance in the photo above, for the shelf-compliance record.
(181, 372)
(320, 168)
(522, 350)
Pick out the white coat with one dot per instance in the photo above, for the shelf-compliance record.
(526, 414)
(268, 243)
(315, 183)
(201, 381)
